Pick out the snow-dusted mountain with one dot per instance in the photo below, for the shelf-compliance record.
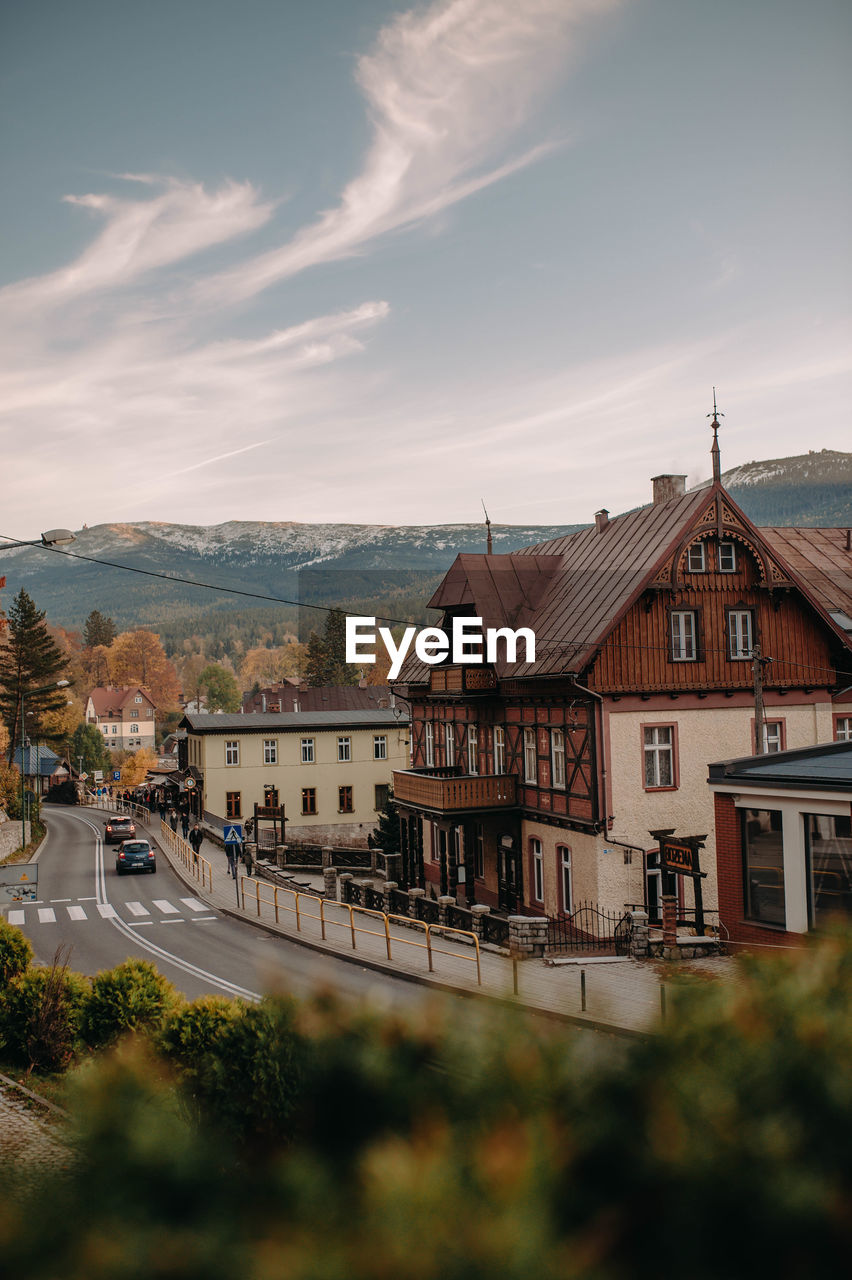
(340, 563)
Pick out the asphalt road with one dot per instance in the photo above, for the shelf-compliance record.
(98, 918)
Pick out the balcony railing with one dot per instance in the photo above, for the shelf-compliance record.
(456, 792)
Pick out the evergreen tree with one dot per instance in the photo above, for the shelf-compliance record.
(315, 663)
(87, 744)
(98, 630)
(30, 660)
(386, 835)
(337, 670)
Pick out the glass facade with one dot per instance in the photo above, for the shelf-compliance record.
(828, 849)
(763, 866)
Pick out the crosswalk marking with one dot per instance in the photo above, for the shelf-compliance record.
(108, 912)
(194, 904)
(46, 915)
(136, 909)
(16, 917)
(76, 913)
(166, 907)
(200, 912)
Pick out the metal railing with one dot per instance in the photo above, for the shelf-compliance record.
(328, 913)
(195, 864)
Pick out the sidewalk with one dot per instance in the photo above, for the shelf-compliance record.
(621, 995)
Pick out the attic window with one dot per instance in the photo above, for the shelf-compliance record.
(695, 561)
(727, 557)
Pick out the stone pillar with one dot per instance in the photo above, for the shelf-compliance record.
(639, 945)
(527, 935)
(413, 895)
(669, 922)
(393, 867)
(445, 901)
(343, 879)
(387, 887)
(327, 855)
(372, 859)
(281, 855)
(329, 889)
(479, 911)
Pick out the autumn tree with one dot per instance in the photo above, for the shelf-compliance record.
(221, 689)
(137, 657)
(98, 630)
(263, 666)
(135, 764)
(87, 744)
(29, 661)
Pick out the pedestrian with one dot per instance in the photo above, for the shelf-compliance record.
(231, 851)
(195, 838)
(184, 824)
(162, 808)
(173, 819)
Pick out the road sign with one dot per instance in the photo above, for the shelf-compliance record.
(99, 775)
(83, 777)
(189, 784)
(234, 834)
(18, 883)
(116, 775)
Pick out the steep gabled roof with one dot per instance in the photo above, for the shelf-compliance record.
(820, 558)
(109, 701)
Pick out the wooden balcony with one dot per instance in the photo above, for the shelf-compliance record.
(443, 792)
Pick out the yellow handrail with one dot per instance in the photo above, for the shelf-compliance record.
(197, 865)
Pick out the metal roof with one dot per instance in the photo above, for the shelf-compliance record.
(823, 768)
(819, 556)
(264, 721)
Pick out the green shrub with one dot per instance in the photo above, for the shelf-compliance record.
(40, 1017)
(131, 997)
(15, 952)
(192, 1032)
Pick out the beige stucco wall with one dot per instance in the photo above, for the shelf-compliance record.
(326, 774)
(601, 872)
(703, 736)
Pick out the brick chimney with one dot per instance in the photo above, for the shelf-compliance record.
(668, 487)
(601, 520)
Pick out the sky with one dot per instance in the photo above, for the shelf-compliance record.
(371, 262)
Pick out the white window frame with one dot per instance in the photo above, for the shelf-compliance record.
(530, 756)
(566, 884)
(843, 729)
(232, 752)
(344, 750)
(499, 749)
(557, 758)
(449, 745)
(270, 750)
(683, 633)
(308, 751)
(138, 698)
(696, 558)
(429, 732)
(380, 746)
(773, 736)
(727, 552)
(134, 714)
(134, 728)
(658, 748)
(473, 748)
(740, 634)
(537, 855)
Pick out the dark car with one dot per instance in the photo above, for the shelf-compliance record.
(135, 855)
(119, 828)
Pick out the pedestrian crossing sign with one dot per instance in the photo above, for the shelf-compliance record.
(234, 834)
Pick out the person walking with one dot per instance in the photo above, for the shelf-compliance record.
(195, 838)
(184, 824)
(232, 855)
(173, 819)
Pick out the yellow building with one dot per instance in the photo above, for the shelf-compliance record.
(331, 770)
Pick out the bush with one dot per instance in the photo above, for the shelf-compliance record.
(192, 1032)
(15, 952)
(131, 997)
(40, 1017)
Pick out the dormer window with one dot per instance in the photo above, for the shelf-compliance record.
(727, 557)
(695, 559)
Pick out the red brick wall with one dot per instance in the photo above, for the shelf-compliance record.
(729, 865)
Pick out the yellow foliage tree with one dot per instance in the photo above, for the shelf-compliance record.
(137, 657)
(136, 765)
(265, 666)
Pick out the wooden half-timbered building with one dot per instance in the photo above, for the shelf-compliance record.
(665, 638)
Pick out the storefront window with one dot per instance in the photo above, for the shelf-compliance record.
(763, 869)
(828, 844)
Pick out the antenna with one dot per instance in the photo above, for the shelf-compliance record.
(489, 546)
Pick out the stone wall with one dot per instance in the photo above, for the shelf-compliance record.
(10, 836)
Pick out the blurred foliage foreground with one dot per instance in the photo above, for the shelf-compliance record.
(315, 1140)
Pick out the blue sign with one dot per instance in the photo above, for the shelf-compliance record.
(234, 834)
(116, 775)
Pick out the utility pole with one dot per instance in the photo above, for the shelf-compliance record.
(759, 712)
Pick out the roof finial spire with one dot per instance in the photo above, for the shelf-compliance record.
(488, 546)
(714, 451)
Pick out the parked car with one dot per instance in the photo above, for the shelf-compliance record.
(135, 855)
(119, 828)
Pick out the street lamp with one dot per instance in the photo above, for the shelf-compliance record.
(53, 538)
(45, 688)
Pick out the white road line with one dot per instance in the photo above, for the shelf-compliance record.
(139, 924)
(76, 913)
(179, 921)
(55, 900)
(166, 907)
(46, 915)
(108, 912)
(194, 904)
(202, 919)
(136, 909)
(16, 917)
(87, 899)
